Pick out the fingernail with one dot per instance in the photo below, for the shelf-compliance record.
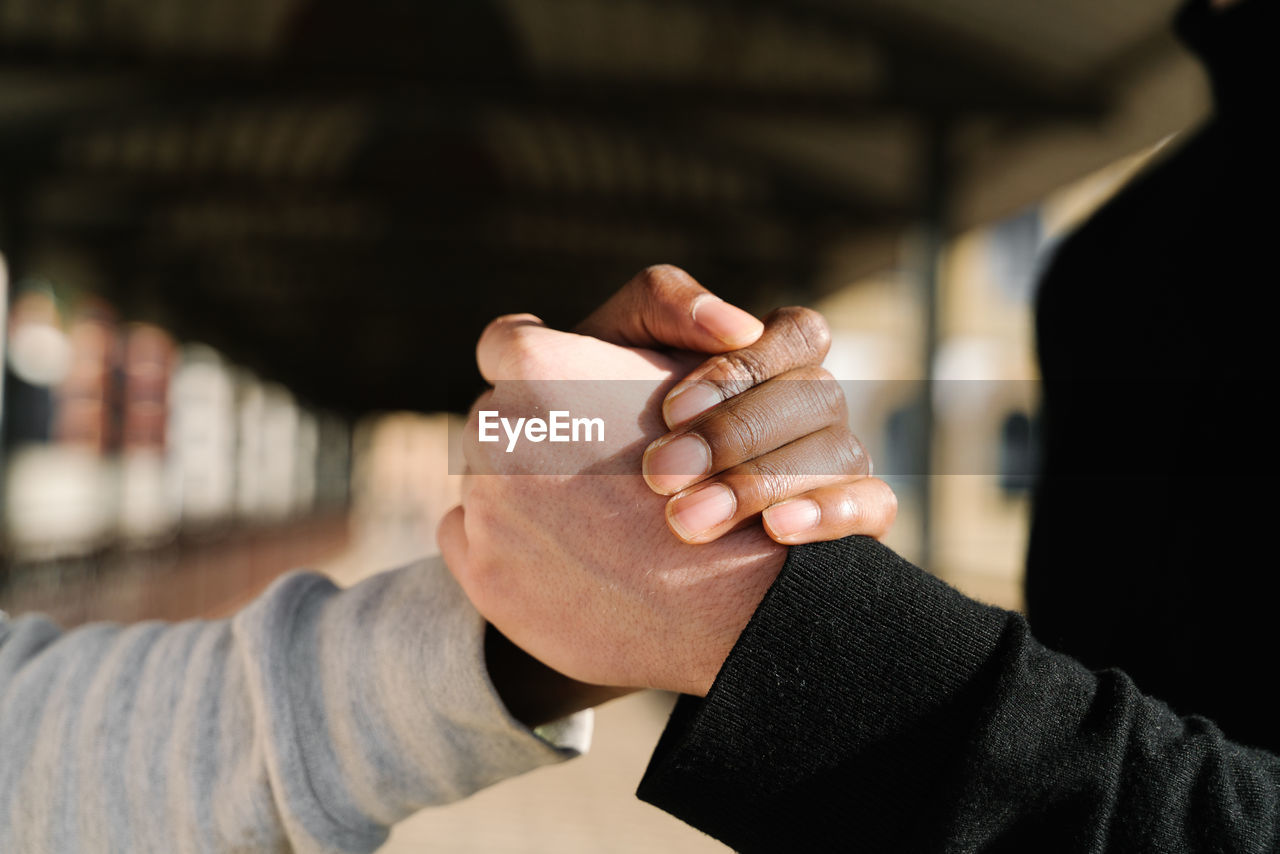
(670, 467)
(687, 402)
(698, 512)
(729, 323)
(793, 517)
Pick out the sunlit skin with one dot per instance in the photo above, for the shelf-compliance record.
(554, 561)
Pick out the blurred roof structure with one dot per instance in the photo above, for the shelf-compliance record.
(340, 194)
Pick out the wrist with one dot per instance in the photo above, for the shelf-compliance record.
(741, 600)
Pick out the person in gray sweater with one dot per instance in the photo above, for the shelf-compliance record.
(312, 721)
(318, 717)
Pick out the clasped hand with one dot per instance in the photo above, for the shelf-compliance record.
(638, 562)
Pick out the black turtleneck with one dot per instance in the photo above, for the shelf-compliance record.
(867, 706)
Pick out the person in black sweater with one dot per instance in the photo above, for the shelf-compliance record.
(1151, 342)
(869, 706)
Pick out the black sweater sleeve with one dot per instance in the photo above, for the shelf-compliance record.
(869, 706)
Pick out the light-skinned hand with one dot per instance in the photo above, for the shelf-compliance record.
(579, 569)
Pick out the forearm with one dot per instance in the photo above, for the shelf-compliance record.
(868, 701)
(313, 720)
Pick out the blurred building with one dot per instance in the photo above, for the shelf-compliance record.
(985, 388)
(133, 462)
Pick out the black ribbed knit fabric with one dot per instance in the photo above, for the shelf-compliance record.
(869, 707)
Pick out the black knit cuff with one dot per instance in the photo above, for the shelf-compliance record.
(851, 651)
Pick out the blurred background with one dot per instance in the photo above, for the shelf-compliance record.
(246, 248)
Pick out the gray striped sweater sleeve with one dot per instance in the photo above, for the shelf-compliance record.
(312, 721)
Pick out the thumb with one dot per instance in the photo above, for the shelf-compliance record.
(665, 306)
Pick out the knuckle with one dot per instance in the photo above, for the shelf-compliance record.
(848, 454)
(660, 279)
(839, 406)
(762, 483)
(738, 432)
(520, 336)
(848, 510)
(824, 390)
(520, 355)
(510, 339)
(817, 373)
(740, 370)
(806, 331)
(800, 402)
(514, 363)
(502, 326)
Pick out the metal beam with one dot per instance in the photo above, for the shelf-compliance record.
(926, 70)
